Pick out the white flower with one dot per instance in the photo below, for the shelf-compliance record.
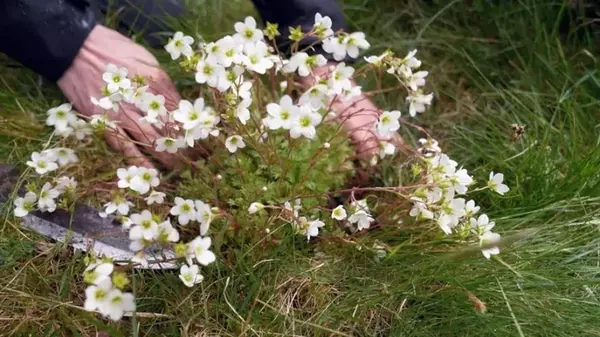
(471, 209)
(229, 51)
(115, 78)
(339, 80)
(341, 45)
(102, 121)
(297, 206)
(98, 272)
(146, 227)
(108, 102)
(304, 123)
(119, 204)
(411, 61)
(126, 175)
(242, 91)
(61, 116)
(482, 224)
(255, 58)
(204, 216)
(180, 44)
(65, 183)
(200, 248)
(255, 207)
(242, 112)
(154, 106)
(418, 102)
(354, 42)
(304, 63)
(209, 73)
(64, 156)
(322, 26)
(96, 296)
(416, 80)
(247, 31)
(317, 96)
(117, 304)
(126, 222)
(155, 198)
(386, 149)
(171, 145)
(362, 219)
(311, 228)
(229, 78)
(460, 181)
(189, 275)
(193, 115)
(281, 115)
(144, 179)
(495, 183)
(25, 205)
(42, 163)
(339, 213)
(81, 128)
(489, 244)
(233, 143)
(184, 210)
(388, 122)
(420, 211)
(167, 233)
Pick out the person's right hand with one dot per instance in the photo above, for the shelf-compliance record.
(83, 80)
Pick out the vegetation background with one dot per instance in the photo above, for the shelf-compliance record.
(492, 64)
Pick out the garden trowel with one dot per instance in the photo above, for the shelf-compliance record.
(82, 229)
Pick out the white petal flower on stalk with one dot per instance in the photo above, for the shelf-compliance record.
(96, 296)
(230, 77)
(154, 107)
(64, 184)
(411, 61)
(339, 213)
(304, 63)
(489, 244)
(184, 210)
(386, 149)
(155, 197)
(256, 58)
(63, 155)
(61, 117)
(255, 207)
(354, 42)
(495, 183)
(108, 102)
(336, 46)
(200, 247)
(204, 216)
(125, 176)
(193, 115)
(180, 45)
(281, 115)
(167, 233)
(482, 224)
(235, 142)
(190, 275)
(242, 91)
(230, 51)
(146, 228)
(420, 210)
(42, 163)
(340, 79)
(317, 96)
(471, 209)
(144, 180)
(322, 26)
(416, 80)
(460, 181)
(171, 145)
(247, 31)
(119, 204)
(98, 272)
(209, 73)
(418, 102)
(362, 219)
(343, 45)
(310, 228)
(242, 111)
(388, 122)
(25, 205)
(117, 304)
(102, 121)
(305, 122)
(115, 78)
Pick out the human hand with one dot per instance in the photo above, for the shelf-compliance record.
(83, 80)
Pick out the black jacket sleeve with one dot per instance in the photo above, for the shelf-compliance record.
(44, 35)
(293, 13)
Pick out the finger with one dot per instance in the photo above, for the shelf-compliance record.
(120, 142)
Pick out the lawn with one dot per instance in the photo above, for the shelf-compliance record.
(492, 64)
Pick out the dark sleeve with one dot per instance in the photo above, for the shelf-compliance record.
(44, 35)
(293, 13)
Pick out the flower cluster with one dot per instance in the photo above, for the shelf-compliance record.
(105, 291)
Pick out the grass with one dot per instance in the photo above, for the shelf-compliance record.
(491, 65)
